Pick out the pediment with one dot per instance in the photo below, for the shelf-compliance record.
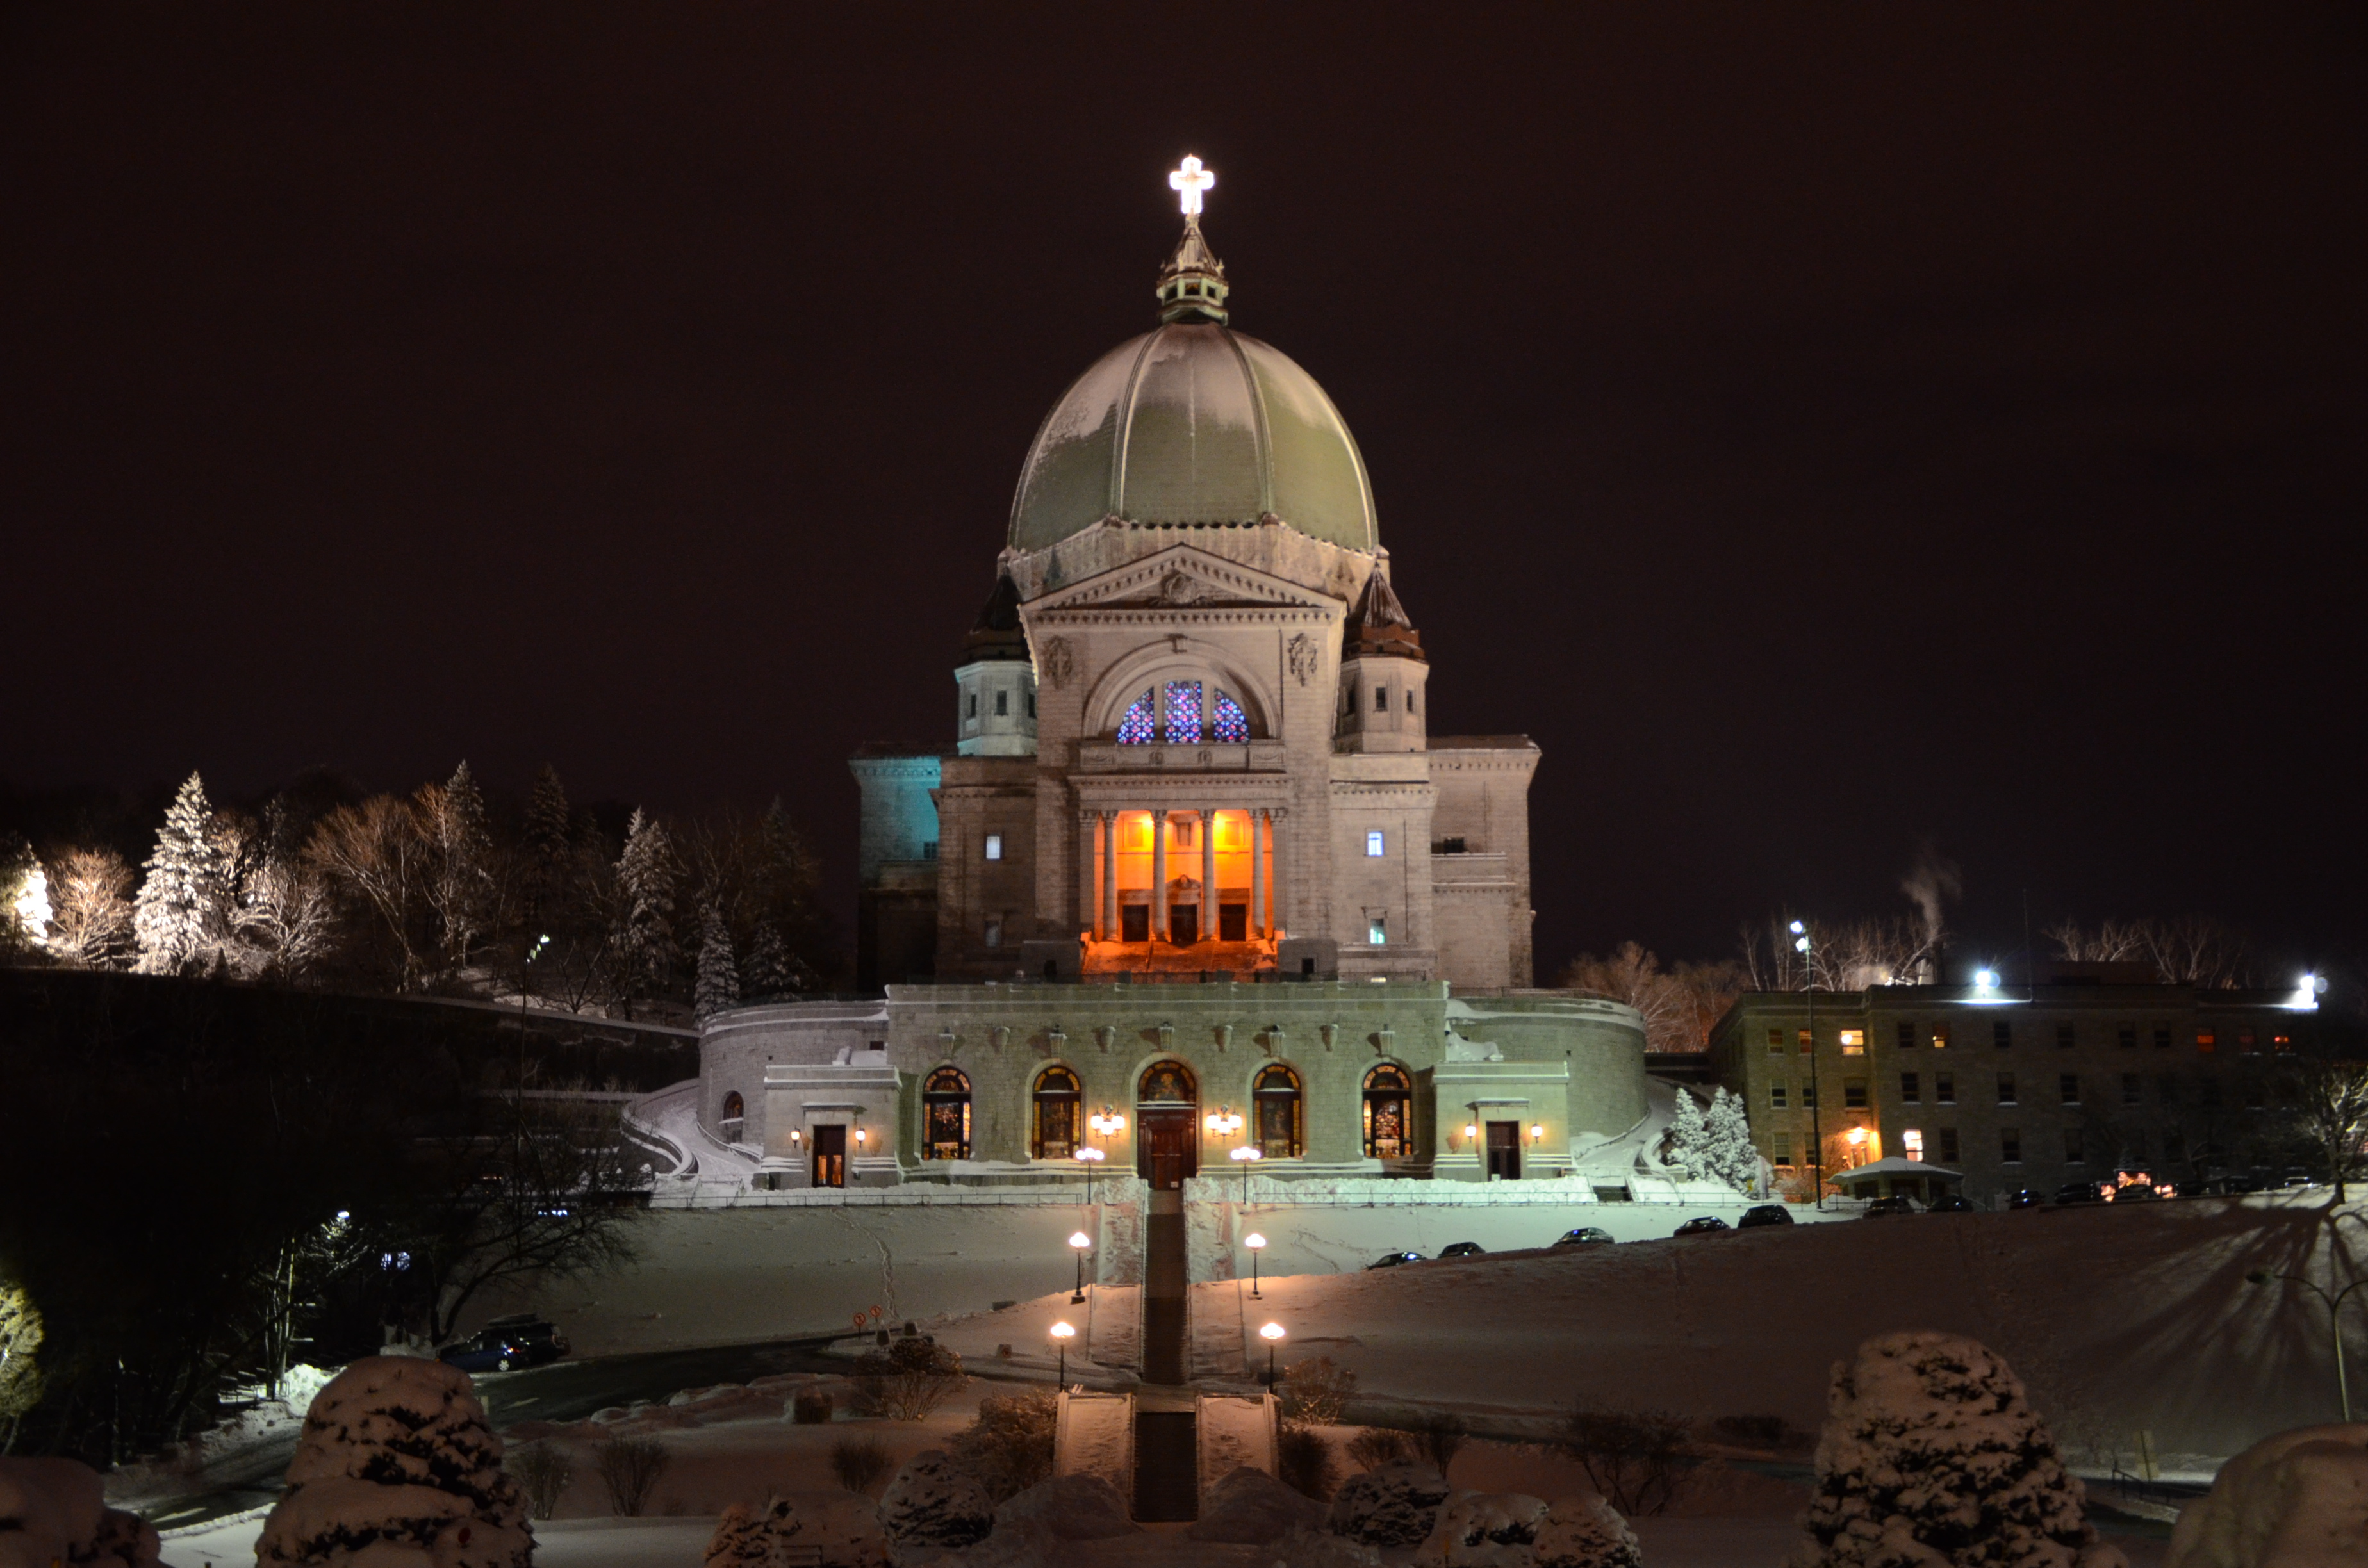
(1183, 578)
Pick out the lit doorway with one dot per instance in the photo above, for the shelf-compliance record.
(1505, 1150)
(830, 1155)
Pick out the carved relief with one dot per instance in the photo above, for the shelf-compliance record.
(1331, 1033)
(1103, 1035)
(1224, 1035)
(1302, 657)
(1058, 663)
(1183, 588)
(1002, 1037)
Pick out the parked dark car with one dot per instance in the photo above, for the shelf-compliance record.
(1761, 1214)
(1391, 1259)
(1882, 1205)
(2078, 1192)
(2023, 1198)
(506, 1343)
(2237, 1186)
(1953, 1203)
(1463, 1249)
(1704, 1225)
(1585, 1236)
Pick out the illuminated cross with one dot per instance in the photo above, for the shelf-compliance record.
(1189, 181)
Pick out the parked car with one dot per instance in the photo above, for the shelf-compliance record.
(1951, 1203)
(2023, 1198)
(2135, 1192)
(506, 1345)
(1882, 1205)
(539, 1338)
(2235, 1186)
(1704, 1225)
(1391, 1259)
(2078, 1192)
(1463, 1249)
(1585, 1236)
(2294, 1181)
(1761, 1214)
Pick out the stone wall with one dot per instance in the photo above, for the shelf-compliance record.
(737, 1046)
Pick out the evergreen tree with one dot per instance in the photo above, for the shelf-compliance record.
(719, 980)
(549, 846)
(646, 874)
(768, 962)
(182, 915)
(1728, 1134)
(24, 911)
(1932, 1456)
(461, 883)
(20, 1371)
(1686, 1137)
(789, 893)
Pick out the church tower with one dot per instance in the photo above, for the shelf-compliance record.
(1383, 672)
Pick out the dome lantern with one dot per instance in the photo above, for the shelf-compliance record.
(1192, 285)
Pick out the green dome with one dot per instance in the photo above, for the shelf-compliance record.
(1194, 424)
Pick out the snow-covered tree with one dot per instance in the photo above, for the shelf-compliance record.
(768, 962)
(1728, 1147)
(1688, 1138)
(20, 1373)
(397, 1459)
(1932, 1458)
(24, 912)
(90, 909)
(719, 978)
(460, 879)
(646, 874)
(284, 916)
(182, 916)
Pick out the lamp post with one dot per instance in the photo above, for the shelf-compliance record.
(2334, 1320)
(1803, 946)
(1079, 1241)
(1106, 1124)
(1089, 1157)
(1062, 1334)
(1273, 1334)
(1257, 1244)
(1245, 1156)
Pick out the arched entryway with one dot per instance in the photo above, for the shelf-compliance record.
(1167, 1138)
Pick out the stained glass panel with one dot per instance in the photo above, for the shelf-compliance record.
(1183, 713)
(1137, 727)
(1231, 724)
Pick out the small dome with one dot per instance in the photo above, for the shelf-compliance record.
(1194, 423)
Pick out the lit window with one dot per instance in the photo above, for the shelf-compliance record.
(1912, 1141)
(1940, 1037)
(1853, 1042)
(1183, 713)
(1373, 842)
(994, 847)
(1805, 1042)
(1139, 723)
(1377, 930)
(1230, 725)
(1003, 705)
(2205, 1041)
(2281, 1042)
(1775, 1042)
(945, 1115)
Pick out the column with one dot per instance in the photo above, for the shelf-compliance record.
(1158, 876)
(1274, 872)
(1106, 891)
(1257, 871)
(1208, 876)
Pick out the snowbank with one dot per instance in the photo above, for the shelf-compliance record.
(2297, 1500)
(51, 1511)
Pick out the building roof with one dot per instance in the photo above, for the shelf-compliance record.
(1194, 423)
(1895, 1167)
(996, 634)
(1378, 624)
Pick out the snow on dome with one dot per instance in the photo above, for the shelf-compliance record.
(397, 1464)
(1194, 424)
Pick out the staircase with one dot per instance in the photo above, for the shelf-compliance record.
(1162, 1291)
(1167, 1466)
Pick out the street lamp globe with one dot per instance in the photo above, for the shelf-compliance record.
(1273, 1334)
(1061, 1333)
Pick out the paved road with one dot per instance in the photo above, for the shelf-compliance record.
(563, 1391)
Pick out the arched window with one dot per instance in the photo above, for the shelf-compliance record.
(945, 1116)
(1183, 713)
(1276, 1094)
(733, 1118)
(1138, 725)
(1389, 1113)
(1057, 1100)
(1167, 1083)
(1230, 725)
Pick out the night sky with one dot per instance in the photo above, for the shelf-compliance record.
(1823, 430)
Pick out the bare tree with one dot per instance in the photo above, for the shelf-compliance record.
(1843, 955)
(1679, 1005)
(90, 906)
(2193, 950)
(2331, 1115)
(377, 854)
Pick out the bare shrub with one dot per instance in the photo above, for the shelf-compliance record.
(858, 1463)
(1315, 1393)
(1009, 1447)
(1636, 1458)
(1377, 1446)
(1439, 1436)
(909, 1378)
(630, 1468)
(810, 1407)
(1303, 1461)
(543, 1474)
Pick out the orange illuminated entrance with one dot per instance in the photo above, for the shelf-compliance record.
(1181, 879)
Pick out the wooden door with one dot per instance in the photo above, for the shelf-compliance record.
(1168, 1151)
(830, 1157)
(1505, 1150)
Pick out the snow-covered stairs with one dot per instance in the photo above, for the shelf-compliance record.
(1163, 1291)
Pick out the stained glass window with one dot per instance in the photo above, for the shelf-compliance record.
(1137, 727)
(1183, 713)
(1389, 1101)
(1276, 1095)
(1231, 724)
(1058, 1102)
(945, 1116)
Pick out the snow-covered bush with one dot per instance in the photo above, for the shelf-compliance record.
(845, 1529)
(1727, 1150)
(1377, 1446)
(1009, 1447)
(856, 1462)
(1477, 1530)
(1303, 1462)
(934, 1502)
(1440, 1437)
(1586, 1532)
(810, 1407)
(1931, 1457)
(1635, 1457)
(396, 1454)
(1322, 1549)
(629, 1469)
(54, 1511)
(543, 1473)
(1250, 1507)
(1687, 1139)
(1074, 1508)
(1394, 1505)
(1315, 1393)
(908, 1378)
(2297, 1500)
